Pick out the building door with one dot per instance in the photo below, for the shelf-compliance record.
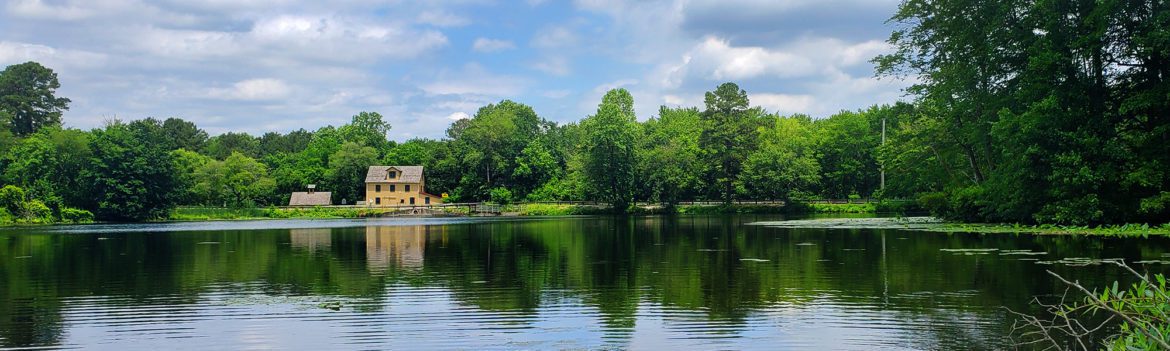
(377, 201)
(412, 201)
(427, 200)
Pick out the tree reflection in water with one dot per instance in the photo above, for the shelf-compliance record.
(643, 279)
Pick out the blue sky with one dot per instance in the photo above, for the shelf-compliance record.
(263, 65)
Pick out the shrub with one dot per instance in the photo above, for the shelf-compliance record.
(11, 198)
(501, 196)
(74, 215)
(6, 217)
(36, 211)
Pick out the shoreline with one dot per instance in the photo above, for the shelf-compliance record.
(931, 224)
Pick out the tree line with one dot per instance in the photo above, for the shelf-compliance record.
(1025, 111)
(1034, 110)
(506, 152)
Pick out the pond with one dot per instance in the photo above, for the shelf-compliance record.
(690, 282)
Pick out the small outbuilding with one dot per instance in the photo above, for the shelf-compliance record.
(311, 197)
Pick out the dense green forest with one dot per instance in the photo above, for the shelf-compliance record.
(1021, 111)
(724, 151)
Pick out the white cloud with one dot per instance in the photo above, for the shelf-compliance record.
(620, 83)
(491, 45)
(554, 37)
(473, 79)
(254, 90)
(14, 52)
(554, 65)
(721, 61)
(782, 103)
(442, 19)
(458, 116)
(40, 10)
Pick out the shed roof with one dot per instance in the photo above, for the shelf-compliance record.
(316, 198)
(409, 174)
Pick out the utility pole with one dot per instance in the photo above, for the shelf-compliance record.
(883, 165)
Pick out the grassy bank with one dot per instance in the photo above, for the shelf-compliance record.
(204, 214)
(931, 224)
(1124, 230)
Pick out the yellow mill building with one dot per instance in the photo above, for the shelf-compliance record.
(397, 186)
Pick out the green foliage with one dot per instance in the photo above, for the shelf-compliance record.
(728, 136)
(784, 165)
(1027, 101)
(188, 165)
(347, 171)
(221, 146)
(12, 198)
(27, 97)
(48, 163)
(1147, 303)
(129, 179)
(238, 181)
(274, 144)
(501, 196)
(609, 148)
(181, 134)
(73, 215)
(962, 204)
(35, 211)
(366, 129)
(670, 167)
(845, 142)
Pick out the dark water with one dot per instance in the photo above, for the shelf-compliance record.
(570, 283)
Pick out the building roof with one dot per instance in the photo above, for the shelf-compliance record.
(316, 198)
(410, 174)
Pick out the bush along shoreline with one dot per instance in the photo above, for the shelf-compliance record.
(17, 207)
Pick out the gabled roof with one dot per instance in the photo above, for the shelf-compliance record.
(316, 198)
(408, 174)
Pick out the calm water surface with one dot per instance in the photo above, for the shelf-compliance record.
(564, 283)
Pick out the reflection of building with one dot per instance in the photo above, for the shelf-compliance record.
(402, 246)
(310, 239)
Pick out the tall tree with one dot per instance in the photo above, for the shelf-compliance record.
(611, 136)
(129, 178)
(784, 166)
(238, 181)
(367, 129)
(347, 171)
(182, 134)
(728, 135)
(669, 156)
(28, 94)
(488, 144)
(846, 144)
(223, 145)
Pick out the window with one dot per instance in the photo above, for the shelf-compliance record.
(377, 201)
(407, 188)
(392, 175)
(412, 201)
(400, 201)
(378, 188)
(391, 187)
(427, 200)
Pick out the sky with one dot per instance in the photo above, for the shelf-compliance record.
(279, 65)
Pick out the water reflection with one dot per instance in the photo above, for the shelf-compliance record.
(401, 246)
(647, 282)
(311, 240)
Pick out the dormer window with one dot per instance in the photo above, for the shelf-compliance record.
(392, 175)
